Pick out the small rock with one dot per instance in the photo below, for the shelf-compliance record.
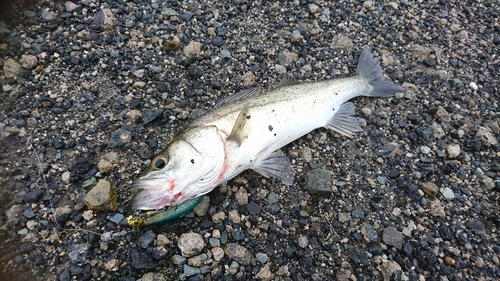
(140, 260)
(102, 197)
(191, 271)
(178, 260)
(265, 273)
(49, 15)
(11, 68)
(370, 233)
(88, 215)
(106, 18)
(473, 86)
(192, 49)
(448, 193)
(486, 137)
(306, 154)
(146, 239)
(70, 6)
(391, 236)
(429, 188)
(344, 217)
(436, 209)
(242, 196)
(33, 196)
(28, 213)
(388, 267)
(254, 208)
(453, 150)
(202, 208)
(303, 242)
(248, 79)
(121, 139)
(150, 116)
(476, 225)
(104, 166)
(66, 177)
(77, 253)
(319, 182)
(112, 265)
(342, 42)
(28, 61)
(239, 253)
(134, 115)
(217, 253)
(219, 217)
(190, 244)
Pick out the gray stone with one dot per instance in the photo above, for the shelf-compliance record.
(476, 225)
(77, 253)
(319, 182)
(453, 150)
(202, 208)
(191, 271)
(486, 137)
(370, 233)
(239, 253)
(448, 193)
(121, 139)
(391, 236)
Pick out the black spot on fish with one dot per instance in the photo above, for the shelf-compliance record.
(334, 109)
(274, 134)
(248, 116)
(270, 128)
(192, 161)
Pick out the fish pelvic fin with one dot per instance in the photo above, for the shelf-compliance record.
(276, 166)
(369, 67)
(242, 127)
(343, 121)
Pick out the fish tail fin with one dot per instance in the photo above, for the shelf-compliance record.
(369, 67)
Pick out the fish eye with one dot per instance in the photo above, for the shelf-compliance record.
(159, 162)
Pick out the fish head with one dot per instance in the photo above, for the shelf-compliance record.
(190, 166)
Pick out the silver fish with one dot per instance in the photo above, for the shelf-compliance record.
(246, 131)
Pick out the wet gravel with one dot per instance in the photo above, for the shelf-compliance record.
(96, 88)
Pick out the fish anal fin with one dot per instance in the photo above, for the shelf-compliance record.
(242, 127)
(343, 121)
(276, 166)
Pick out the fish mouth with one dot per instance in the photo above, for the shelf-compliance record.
(154, 193)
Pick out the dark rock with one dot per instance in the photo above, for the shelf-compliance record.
(253, 208)
(33, 196)
(121, 139)
(58, 142)
(430, 62)
(150, 116)
(425, 133)
(319, 182)
(194, 71)
(146, 239)
(475, 225)
(140, 260)
(391, 236)
(77, 253)
(28, 213)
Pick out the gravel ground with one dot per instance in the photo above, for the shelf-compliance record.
(413, 197)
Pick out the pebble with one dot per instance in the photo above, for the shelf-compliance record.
(370, 233)
(202, 208)
(254, 208)
(475, 225)
(146, 239)
(11, 68)
(190, 270)
(453, 150)
(102, 197)
(436, 209)
(392, 237)
(448, 193)
(239, 253)
(242, 196)
(429, 188)
(217, 253)
(265, 273)
(486, 137)
(319, 182)
(152, 276)
(303, 243)
(191, 244)
(473, 86)
(140, 260)
(218, 217)
(77, 253)
(29, 213)
(121, 139)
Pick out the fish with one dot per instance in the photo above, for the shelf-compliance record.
(247, 130)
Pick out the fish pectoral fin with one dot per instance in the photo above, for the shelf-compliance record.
(242, 127)
(287, 80)
(239, 96)
(277, 166)
(343, 122)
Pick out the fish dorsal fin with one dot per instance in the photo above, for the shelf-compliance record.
(287, 80)
(343, 122)
(240, 95)
(242, 127)
(277, 166)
